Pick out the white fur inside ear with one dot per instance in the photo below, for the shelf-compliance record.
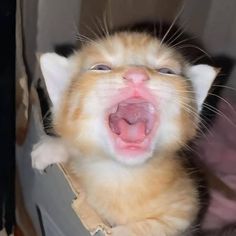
(57, 71)
(202, 77)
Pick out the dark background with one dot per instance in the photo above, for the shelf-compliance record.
(7, 113)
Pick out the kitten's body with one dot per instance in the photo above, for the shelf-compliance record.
(122, 124)
(124, 195)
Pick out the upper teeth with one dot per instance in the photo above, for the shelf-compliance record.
(142, 112)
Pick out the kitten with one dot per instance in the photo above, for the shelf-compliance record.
(123, 107)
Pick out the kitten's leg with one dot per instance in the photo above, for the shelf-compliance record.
(151, 228)
(49, 150)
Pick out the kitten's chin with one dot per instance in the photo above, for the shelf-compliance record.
(132, 156)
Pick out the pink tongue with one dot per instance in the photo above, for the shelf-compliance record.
(131, 132)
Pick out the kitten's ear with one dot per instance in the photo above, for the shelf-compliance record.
(202, 77)
(57, 72)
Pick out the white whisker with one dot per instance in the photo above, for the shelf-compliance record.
(223, 86)
(194, 46)
(172, 24)
(224, 100)
(218, 112)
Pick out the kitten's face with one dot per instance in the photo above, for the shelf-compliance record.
(127, 98)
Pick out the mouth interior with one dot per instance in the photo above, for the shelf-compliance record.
(133, 120)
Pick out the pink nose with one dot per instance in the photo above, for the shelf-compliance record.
(136, 75)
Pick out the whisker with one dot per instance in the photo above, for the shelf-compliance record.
(96, 35)
(48, 127)
(84, 38)
(218, 112)
(107, 33)
(172, 24)
(223, 86)
(80, 37)
(169, 41)
(182, 29)
(46, 115)
(190, 110)
(186, 146)
(203, 123)
(197, 59)
(100, 26)
(196, 47)
(182, 41)
(228, 103)
(97, 27)
(176, 90)
(76, 30)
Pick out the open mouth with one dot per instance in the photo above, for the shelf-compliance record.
(132, 124)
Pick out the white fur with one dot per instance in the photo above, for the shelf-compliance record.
(107, 171)
(49, 150)
(57, 72)
(202, 77)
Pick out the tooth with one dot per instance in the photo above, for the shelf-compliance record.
(114, 128)
(150, 108)
(147, 129)
(149, 125)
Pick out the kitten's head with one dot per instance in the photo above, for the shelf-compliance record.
(126, 97)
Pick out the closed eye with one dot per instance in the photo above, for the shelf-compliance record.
(166, 71)
(101, 67)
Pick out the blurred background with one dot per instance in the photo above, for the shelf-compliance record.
(43, 25)
(47, 23)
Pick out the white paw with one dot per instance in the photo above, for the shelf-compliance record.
(49, 150)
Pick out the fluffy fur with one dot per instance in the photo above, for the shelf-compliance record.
(149, 192)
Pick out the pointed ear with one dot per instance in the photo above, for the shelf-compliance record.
(202, 77)
(57, 72)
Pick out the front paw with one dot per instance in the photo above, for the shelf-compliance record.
(49, 150)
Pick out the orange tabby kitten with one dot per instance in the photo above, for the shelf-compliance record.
(123, 106)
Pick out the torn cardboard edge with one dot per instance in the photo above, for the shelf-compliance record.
(21, 81)
(21, 109)
(88, 216)
(91, 220)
